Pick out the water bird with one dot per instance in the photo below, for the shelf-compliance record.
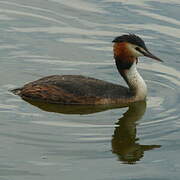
(78, 89)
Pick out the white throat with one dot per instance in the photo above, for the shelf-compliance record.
(136, 83)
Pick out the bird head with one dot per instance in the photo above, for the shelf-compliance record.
(127, 48)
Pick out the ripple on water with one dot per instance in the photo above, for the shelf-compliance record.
(62, 37)
(163, 102)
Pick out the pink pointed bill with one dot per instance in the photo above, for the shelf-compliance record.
(150, 55)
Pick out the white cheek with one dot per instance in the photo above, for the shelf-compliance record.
(134, 51)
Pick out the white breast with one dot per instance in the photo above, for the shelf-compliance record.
(136, 83)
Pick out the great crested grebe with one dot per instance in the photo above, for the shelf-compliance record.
(77, 89)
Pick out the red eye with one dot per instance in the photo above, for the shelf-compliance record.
(138, 49)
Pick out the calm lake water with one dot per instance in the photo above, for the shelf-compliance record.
(42, 142)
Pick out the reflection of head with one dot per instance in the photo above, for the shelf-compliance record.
(124, 141)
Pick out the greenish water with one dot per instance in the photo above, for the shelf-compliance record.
(41, 141)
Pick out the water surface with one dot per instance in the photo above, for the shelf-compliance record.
(40, 38)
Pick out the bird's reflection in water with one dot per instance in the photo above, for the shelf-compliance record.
(124, 141)
(72, 109)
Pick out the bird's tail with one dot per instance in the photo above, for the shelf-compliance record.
(16, 91)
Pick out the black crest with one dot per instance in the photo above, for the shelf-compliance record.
(131, 38)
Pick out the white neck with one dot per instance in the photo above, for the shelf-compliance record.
(136, 83)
